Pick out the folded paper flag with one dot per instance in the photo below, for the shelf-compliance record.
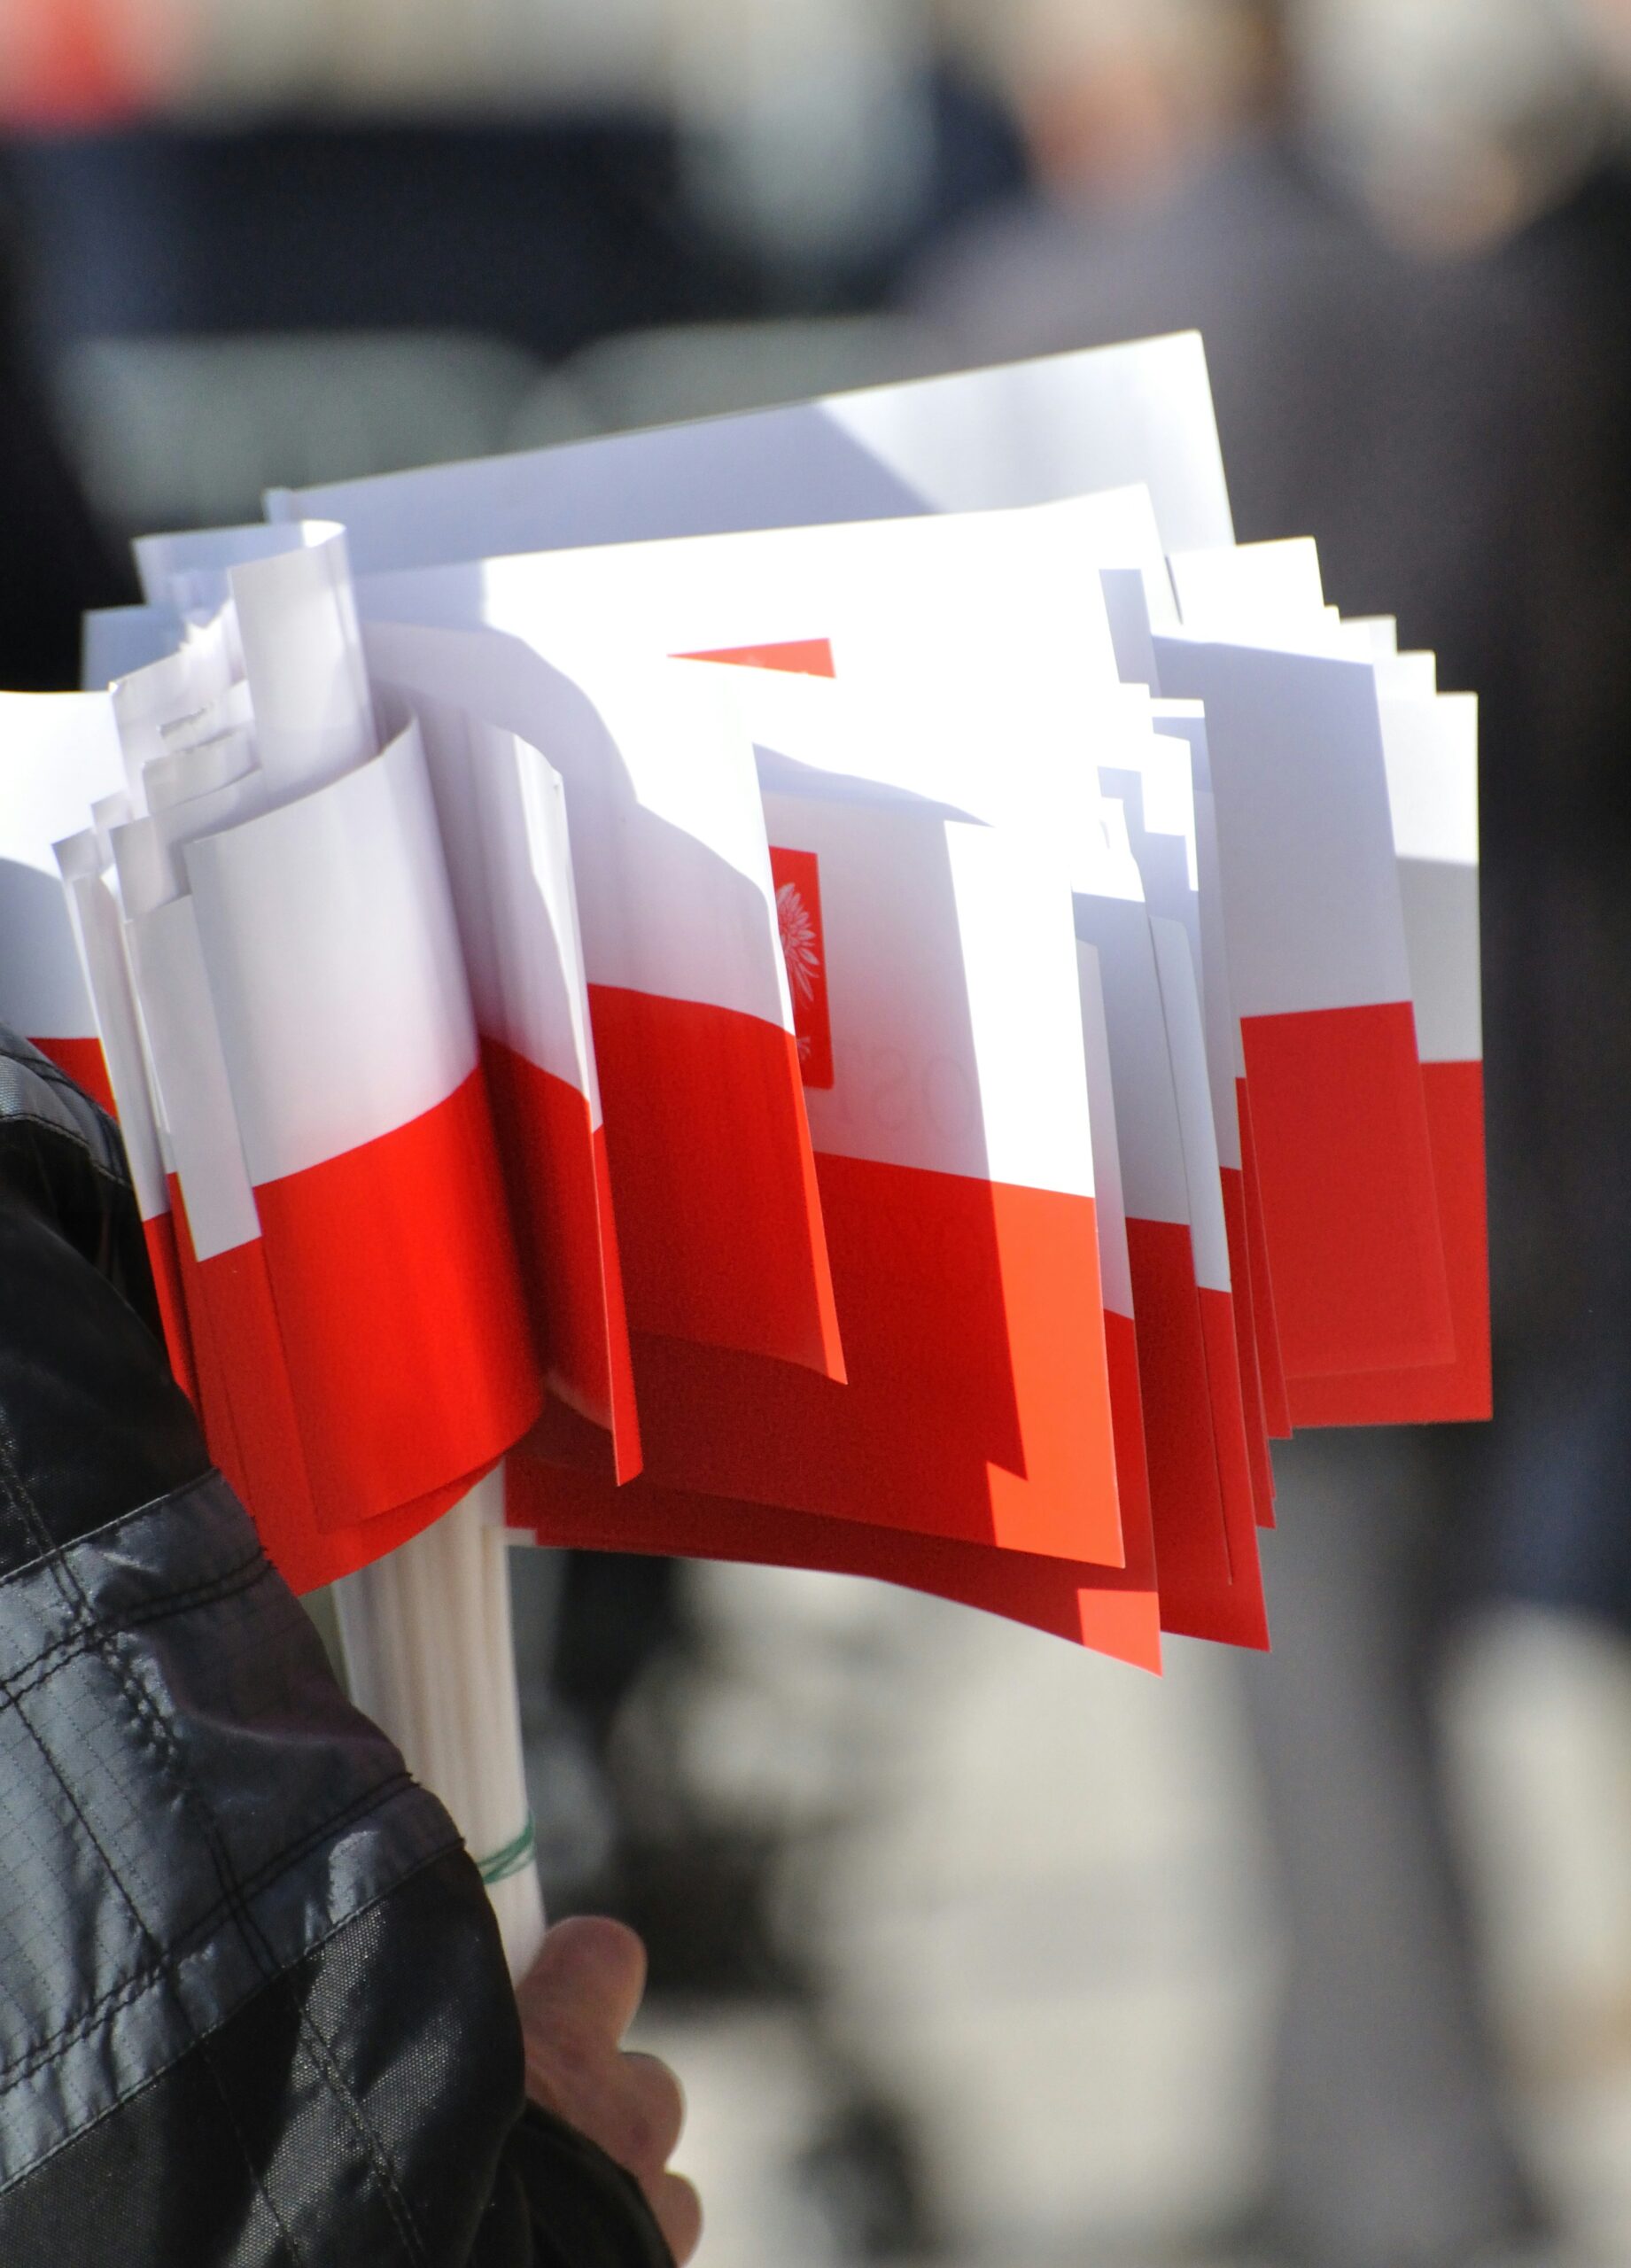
(327, 930)
(1323, 986)
(712, 1183)
(1115, 1610)
(502, 812)
(1269, 594)
(1431, 745)
(954, 1156)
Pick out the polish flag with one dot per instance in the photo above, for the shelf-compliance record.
(954, 1152)
(502, 815)
(1151, 777)
(1021, 433)
(712, 1179)
(244, 1392)
(59, 753)
(1271, 594)
(1431, 745)
(1317, 953)
(353, 1077)
(1113, 1611)
(1205, 1518)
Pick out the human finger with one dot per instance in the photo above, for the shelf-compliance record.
(651, 2110)
(583, 1990)
(678, 2213)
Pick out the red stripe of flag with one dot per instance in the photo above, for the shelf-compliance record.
(1111, 1610)
(703, 1107)
(1349, 1205)
(395, 1280)
(1206, 1552)
(555, 1171)
(1459, 1391)
(978, 1398)
(251, 1428)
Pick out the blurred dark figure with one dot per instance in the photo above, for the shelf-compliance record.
(55, 561)
(1560, 831)
(1455, 434)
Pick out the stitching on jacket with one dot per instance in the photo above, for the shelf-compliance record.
(139, 1709)
(146, 1722)
(31, 1674)
(78, 1606)
(319, 2048)
(291, 2246)
(155, 2079)
(73, 1591)
(396, 2204)
(167, 1977)
(149, 1975)
(150, 1728)
(166, 1974)
(155, 1734)
(54, 1550)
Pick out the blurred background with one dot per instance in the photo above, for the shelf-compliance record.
(971, 1950)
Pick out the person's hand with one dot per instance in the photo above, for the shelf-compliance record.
(577, 2001)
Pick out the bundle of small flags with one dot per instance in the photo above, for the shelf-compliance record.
(854, 987)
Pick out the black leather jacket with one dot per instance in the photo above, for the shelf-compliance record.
(252, 2008)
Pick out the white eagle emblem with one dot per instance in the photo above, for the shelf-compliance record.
(799, 942)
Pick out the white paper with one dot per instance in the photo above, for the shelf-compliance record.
(1022, 434)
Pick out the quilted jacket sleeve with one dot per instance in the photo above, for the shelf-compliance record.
(253, 2007)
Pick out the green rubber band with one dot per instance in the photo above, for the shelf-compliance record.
(512, 1858)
